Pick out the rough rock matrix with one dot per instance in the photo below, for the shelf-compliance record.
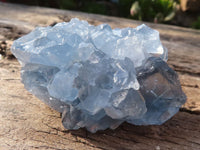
(98, 77)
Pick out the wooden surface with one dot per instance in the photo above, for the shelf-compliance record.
(27, 123)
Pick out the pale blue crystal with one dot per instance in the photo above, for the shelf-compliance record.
(99, 77)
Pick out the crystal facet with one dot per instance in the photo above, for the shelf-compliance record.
(99, 77)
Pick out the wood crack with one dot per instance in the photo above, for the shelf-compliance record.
(197, 112)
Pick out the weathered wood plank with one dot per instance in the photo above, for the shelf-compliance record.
(27, 123)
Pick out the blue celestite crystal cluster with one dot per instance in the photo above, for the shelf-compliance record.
(98, 77)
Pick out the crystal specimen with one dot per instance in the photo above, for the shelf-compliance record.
(99, 77)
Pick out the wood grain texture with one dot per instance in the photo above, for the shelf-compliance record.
(27, 123)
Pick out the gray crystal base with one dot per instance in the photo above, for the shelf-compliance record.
(98, 77)
(157, 100)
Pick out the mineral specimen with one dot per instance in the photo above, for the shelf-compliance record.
(98, 77)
